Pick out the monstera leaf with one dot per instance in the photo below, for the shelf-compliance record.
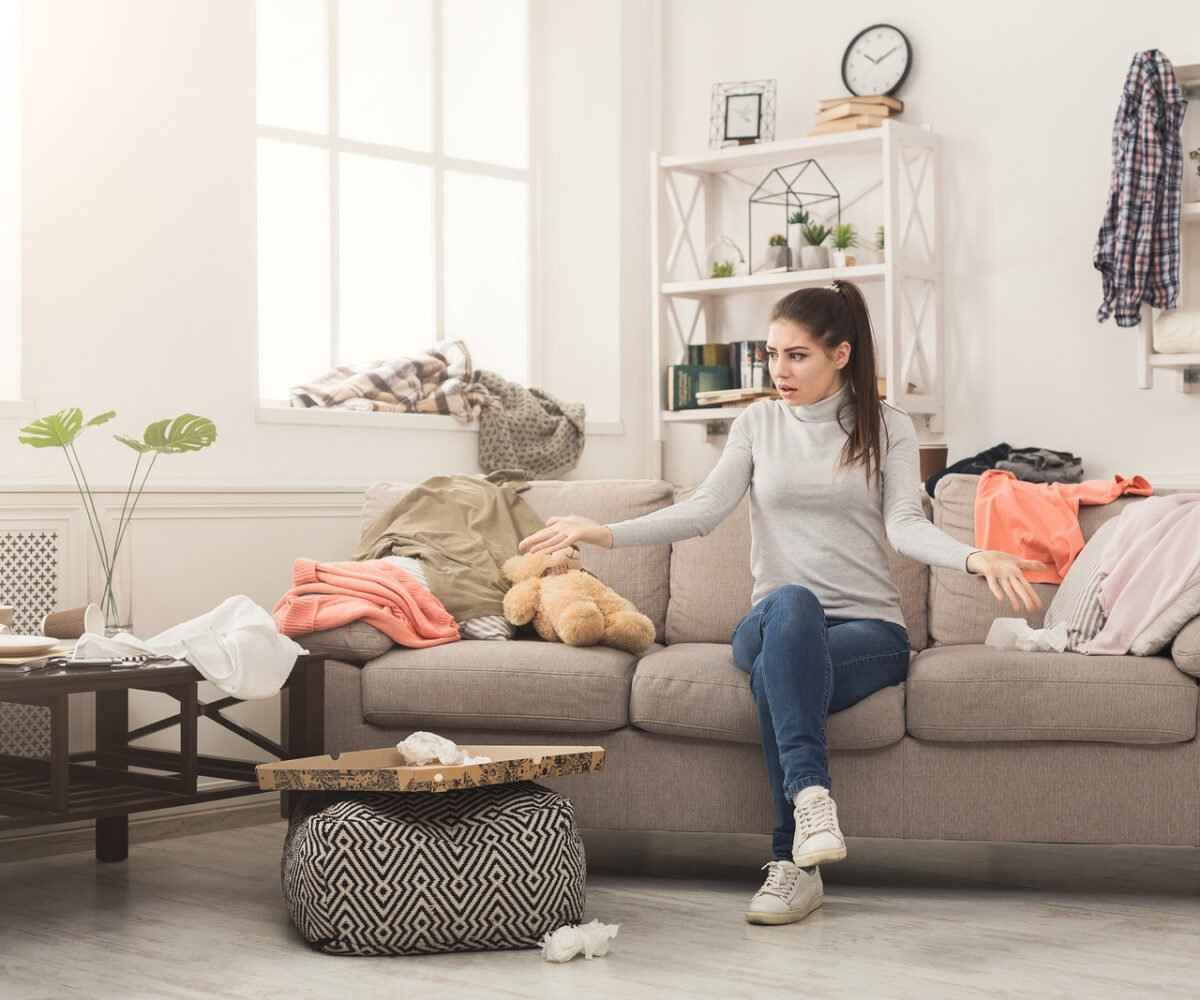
(60, 429)
(187, 432)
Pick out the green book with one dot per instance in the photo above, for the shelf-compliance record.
(685, 381)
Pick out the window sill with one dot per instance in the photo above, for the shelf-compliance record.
(272, 412)
(17, 409)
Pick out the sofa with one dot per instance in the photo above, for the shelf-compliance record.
(979, 744)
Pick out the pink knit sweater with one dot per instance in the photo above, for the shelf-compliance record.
(325, 595)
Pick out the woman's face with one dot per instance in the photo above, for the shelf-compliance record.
(801, 370)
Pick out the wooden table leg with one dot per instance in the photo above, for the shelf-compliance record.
(112, 739)
(112, 838)
(303, 717)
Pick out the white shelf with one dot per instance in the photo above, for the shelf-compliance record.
(771, 153)
(703, 415)
(1174, 360)
(781, 279)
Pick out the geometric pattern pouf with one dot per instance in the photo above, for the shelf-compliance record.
(475, 869)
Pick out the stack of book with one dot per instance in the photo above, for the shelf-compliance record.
(846, 114)
(686, 382)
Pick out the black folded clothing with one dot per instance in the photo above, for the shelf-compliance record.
(1035, 465)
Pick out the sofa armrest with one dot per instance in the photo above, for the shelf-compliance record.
(1185, 649)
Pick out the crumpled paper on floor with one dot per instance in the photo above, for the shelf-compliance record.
(1016, 633)
(569, 940)
(425, 748)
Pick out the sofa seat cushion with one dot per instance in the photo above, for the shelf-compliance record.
(979, 694)
(523, 684)
(694, 689)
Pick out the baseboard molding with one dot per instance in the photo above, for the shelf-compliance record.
(164, 824)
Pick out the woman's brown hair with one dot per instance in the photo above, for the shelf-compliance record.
(831, 316)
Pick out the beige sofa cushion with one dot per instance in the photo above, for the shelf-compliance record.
(979, 694)
(961, 606)
(638, 573)
(525, 684)
(693, 689)
(711, 582)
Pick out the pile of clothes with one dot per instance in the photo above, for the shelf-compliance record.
(1129, 590)
(428, 570)
(1031, 465)
(518, 427)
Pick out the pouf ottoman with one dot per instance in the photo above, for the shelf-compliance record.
(476, 869)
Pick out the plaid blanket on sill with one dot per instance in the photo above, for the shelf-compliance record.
(1137, 248)
(441, 380)
(519, 428)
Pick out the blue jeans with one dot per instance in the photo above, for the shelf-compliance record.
(802, 666)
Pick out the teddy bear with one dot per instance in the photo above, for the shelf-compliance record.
(568, 604)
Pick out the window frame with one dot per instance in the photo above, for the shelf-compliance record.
(334, 145)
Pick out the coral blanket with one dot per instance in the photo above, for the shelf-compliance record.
(326, 595)
(1041, 520)
(1151, 558)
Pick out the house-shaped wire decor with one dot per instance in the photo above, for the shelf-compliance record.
(784, 186)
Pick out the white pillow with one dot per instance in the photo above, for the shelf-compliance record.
(1155, 637)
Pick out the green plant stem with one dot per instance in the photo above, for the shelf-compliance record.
(129, 517)
(90, 511)
(124, 507)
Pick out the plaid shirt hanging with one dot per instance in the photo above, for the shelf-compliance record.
(1137, 249)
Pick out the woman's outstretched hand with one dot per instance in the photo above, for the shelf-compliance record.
(564, 532)
(1004, 576)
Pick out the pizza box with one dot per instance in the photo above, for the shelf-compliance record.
(385, 770)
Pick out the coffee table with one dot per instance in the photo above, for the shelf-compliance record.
(100, 784)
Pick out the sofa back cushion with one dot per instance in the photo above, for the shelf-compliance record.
(961, 606)
(711, 582)
(638, 573)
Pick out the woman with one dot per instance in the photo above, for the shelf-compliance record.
(831, 471)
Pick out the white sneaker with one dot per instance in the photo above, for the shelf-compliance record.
(789, 894)
(818, 837)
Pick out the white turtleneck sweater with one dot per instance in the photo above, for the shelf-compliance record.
(809, 523)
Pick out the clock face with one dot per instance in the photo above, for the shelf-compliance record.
(877, 61)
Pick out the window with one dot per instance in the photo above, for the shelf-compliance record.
(10, 203)
(394, 201)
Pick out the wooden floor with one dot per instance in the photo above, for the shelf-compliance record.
(200, 916)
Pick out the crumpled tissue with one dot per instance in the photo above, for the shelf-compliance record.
(569, 940)
(237, 646)
(1016, 633)
(425, 748)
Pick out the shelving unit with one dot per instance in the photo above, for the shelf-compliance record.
(1148, 360)
(910, 336)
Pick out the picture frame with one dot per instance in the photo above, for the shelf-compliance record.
(741, 113)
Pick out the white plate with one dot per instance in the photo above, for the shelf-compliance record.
(25, 645)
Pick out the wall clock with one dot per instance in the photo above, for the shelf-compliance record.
(877, 61)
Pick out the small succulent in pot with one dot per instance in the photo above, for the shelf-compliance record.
(778, 254)
(722, 269)
(844, 238)
(813, 255)
(797, 220)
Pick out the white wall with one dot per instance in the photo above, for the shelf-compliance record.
(139, 215)
(1024, 95)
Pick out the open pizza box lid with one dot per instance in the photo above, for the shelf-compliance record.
(385, 770)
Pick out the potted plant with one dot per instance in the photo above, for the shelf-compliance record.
(186, 433)
(722, 269)
(844, 238)
(812, 254)
(796, 223)
(778, 255)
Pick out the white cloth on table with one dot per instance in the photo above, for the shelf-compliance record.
(237, 646)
